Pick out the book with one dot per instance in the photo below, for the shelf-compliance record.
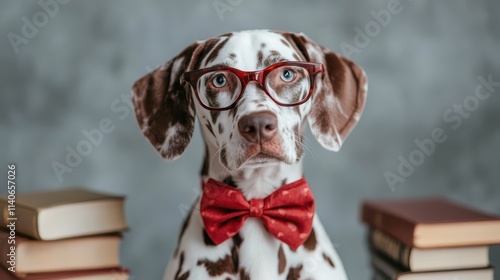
(415, 259)
(35, 256)
(52, 215)
(97, 274)
(387, 270)
(431, 222)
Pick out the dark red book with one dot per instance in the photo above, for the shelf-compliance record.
(431, 222)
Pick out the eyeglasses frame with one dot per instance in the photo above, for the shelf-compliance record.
(245, 77)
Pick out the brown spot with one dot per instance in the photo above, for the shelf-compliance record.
(283, 182)
(232, 111)
(244, 275)
(230, 135)
(207, 47)
(260, 58)
(206, 239)
(221, 128)
(214, 116)
(215, 51)
(310, 243)
(223, 156)
(328, 260)
(262, 45)
(262, 97)
(285, 42)
(229, 181)
(212, 97)
(209, 127)
(298, 141)
(232, 56)
(237, 240)
(185, 275)
(281, 260)
(272, 58)
(236, 259)
(228, 264)
(336, 71)
(226, 35)
(206, 163)
(298, 44)
(294, 273)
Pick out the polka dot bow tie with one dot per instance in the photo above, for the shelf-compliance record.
(287, 213)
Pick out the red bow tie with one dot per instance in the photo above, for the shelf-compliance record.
(287, 213)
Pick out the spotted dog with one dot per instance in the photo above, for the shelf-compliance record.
(254, 145)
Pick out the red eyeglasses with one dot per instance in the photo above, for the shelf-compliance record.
(288, 83)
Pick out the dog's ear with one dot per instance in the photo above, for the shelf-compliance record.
(339, 96)
(163, 107)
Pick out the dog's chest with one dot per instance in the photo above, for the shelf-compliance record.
(258, 252)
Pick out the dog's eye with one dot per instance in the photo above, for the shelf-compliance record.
(219, 81)
(287, 75)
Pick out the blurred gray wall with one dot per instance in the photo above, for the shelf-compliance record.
(75, 69)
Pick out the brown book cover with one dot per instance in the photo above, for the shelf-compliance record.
(65, 213)
(431, 222)
(97, 274)
(80, 253)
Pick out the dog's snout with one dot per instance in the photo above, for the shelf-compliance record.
(258, 127)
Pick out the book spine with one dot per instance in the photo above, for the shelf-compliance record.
(390, 248)
(26, 219)
(395, 226)
(385, 268)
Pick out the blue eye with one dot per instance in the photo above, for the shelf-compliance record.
(219, 81)
(287, 75)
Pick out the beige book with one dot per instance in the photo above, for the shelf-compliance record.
(415, 259)
(387, 270)
(52, 215)
(36, 256)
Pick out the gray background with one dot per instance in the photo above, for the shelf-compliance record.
(429, 57)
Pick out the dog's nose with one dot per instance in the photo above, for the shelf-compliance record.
(258, 127)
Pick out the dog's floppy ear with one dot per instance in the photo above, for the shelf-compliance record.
(163, 107)
(338, 98)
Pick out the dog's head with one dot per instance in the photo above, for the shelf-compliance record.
(253, 130)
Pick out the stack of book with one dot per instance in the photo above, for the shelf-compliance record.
(64, 234)
(429, 239)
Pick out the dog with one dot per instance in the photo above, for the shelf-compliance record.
(253, 104)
